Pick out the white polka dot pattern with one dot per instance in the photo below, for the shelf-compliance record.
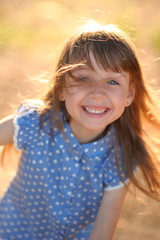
(59, 184)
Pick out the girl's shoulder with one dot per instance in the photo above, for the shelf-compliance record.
(26, 122)
(29, 106)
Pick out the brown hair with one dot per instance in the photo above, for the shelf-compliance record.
(113, 50)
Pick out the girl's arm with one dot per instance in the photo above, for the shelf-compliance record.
(108, 214)
(6, 130)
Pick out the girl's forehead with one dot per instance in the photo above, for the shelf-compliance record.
(97, 70)
(91, 60)
(95, 66)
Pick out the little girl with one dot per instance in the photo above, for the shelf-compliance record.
(81, 145)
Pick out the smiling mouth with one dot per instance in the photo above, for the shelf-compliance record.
(95, 110)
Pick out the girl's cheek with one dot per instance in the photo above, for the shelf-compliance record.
(72, 90)
(79, 89)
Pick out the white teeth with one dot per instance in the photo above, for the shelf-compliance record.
(94, 111)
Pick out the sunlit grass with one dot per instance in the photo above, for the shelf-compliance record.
(15, 35)
(156, 41)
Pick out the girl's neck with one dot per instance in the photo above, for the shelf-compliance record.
(87, 137)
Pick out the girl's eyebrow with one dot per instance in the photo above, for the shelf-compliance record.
(82, 67)
(78, 70)
(117, 75)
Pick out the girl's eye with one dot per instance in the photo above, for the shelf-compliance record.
(112, 82)
(83, 79)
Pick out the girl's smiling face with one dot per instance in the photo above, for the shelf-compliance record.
(95, 98)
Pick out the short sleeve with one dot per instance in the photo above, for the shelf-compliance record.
(112, 179)
(26, 124)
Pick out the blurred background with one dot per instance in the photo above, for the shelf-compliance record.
(32, 33)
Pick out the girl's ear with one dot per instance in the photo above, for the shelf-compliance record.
(130, 95)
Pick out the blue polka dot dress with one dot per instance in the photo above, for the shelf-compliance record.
(59, 184)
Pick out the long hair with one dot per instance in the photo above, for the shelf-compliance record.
(112, 49)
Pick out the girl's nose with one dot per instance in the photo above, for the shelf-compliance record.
(97, 92)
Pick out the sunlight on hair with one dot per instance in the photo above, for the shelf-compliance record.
(93, 26)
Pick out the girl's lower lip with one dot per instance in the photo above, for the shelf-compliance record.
(97, 115)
